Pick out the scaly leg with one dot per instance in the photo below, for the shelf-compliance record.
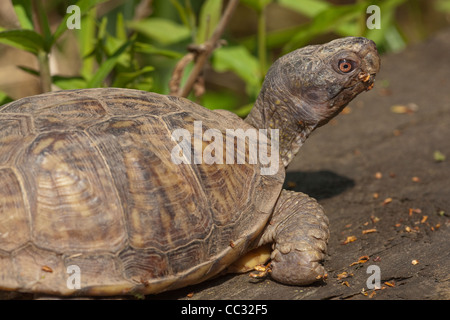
(299, 233)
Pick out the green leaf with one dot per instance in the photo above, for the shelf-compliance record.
(4, 98)
(244, 110)
(219, 100)
(67, 83)
(326, 21)
(44, 25)
(257, 5)
(101, 33)
(144, 84)
(31, 71)
(442, 5)
(393, 39)
(24, 12)
(309, 8)
(87, 42)
(112, 44)
(121, 30)
(209, 18)
(27, 40)
(162, 30)
(186, 14)
(241, 62)
(150, 49)
(107, 66)
(124, 78)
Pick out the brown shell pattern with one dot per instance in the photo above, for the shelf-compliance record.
(86, 179)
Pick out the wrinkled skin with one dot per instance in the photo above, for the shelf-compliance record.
(303, 90)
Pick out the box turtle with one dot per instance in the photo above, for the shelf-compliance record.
(94, 183)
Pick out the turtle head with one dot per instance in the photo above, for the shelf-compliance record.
(317, 82)
(306, 88)
(345, 68)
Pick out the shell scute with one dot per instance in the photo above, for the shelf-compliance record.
(154, 191)
(72, 200)
(16, 130)
(14, 222)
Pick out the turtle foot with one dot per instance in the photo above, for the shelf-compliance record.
(299, 233)
(297, 267)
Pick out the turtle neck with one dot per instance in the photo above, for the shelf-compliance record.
(273, 112)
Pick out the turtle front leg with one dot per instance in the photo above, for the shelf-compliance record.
(299, 233)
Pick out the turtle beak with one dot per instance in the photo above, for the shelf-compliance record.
(370, 65)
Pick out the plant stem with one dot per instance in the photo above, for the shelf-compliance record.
(209, 46)
(42, 56)
(44, 68)
(262, 39)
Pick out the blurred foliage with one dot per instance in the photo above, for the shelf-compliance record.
(121, 46)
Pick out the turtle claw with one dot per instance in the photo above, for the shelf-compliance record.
(261, 271)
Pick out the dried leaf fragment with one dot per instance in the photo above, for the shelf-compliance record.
(414, 210)
(362, 259)
(349, 239)
(377, 259)
(291, 184)
(390, 284)
(402, 109)
(346, 110)
(343, 275)
(323, 277)
(46, 269)
(369, 231)
(386, 201)
(345, 283)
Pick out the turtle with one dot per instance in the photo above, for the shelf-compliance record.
(100, 197)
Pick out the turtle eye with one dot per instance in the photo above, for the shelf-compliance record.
(345, 65)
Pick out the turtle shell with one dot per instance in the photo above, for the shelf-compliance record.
(87, 185)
